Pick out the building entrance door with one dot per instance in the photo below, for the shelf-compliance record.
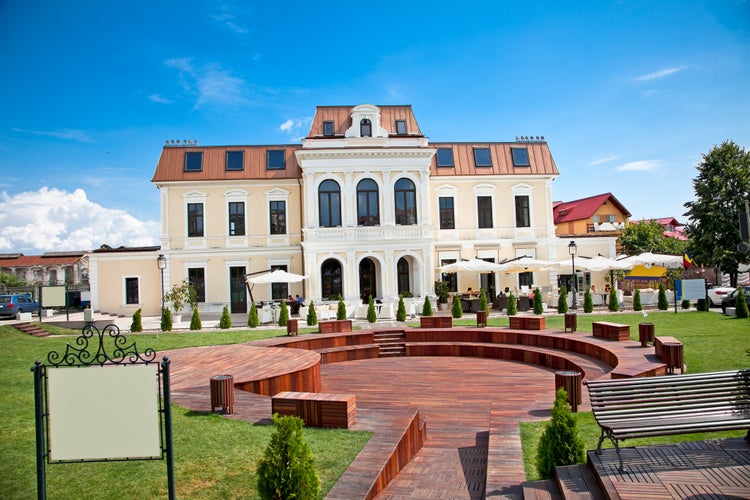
(367, 282)
(237, 290)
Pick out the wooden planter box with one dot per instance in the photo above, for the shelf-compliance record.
(317, 409)
(335, 326)
(611, 331)
(527, 322)
(436, 322)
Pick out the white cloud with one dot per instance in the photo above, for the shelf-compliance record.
(52, 219)
(663, 73)
(639, 166)
(294, 126)
(67, 134)
(605, 159)
(159, 99)
(212, 84)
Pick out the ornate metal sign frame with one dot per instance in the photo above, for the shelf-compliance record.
(90, 351)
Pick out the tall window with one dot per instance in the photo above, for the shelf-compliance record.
(235, 160)
(193, 161)
(330, 279)
(197, 280)
(236, 218)
(450, 278)
(523, 215)
(279, 291)
(365, 128)
(406, 202)
(402, 272)
(328, 128)
(484, 212)
(131, 290)
(368, 213)
(329, 199)
(277, 213)
(447, 217)
(195, 219)
(401, 127)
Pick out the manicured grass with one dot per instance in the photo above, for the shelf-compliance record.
(214, 457)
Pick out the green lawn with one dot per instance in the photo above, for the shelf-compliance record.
(214, 457)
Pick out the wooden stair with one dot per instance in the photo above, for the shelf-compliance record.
(391, 343)
(32, 329)
(572, 482)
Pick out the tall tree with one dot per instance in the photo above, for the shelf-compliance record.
(721, 189)
(648, 236)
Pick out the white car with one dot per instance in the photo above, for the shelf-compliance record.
(717, 293)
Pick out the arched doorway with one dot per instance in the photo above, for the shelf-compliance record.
(368, 285)
(330, 280)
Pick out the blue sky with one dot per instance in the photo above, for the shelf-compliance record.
(628, 94)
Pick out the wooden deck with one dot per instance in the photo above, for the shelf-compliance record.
(471, 397)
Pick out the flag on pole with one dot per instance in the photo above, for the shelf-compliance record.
(687, 260)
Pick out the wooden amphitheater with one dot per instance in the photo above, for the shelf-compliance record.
(465, 432)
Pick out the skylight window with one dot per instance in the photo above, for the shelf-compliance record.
(520, 157)
(445, 157)
(482, 157)
(193, 161)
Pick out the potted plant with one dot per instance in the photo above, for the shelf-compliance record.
(176, 297)
(442, 292)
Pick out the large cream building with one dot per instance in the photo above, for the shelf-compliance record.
(365, 205)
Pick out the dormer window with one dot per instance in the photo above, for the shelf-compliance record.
(328, 128)
(401, 127)
(365, 128)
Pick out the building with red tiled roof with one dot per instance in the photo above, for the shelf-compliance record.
(51, 268)
(672, 227)
(595, 215)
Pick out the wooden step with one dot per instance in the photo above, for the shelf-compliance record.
(545, 489)
(578, 482)
(32, 329)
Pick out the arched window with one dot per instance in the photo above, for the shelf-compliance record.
(368, 212)
(329, 199)
(367, 280)
(330, 280)
(402, 272)
(365, 128)
(406, 202)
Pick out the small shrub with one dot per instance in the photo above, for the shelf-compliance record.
(341, 311)
(427, 307)
(456, 310)
(137, 324)
(702, 305)
(252, 317)
(560, 443)
(401, 312)
(562, 300)
(740, 308)
(588, 301)
(312, 316)
(685, 304)
(614, 305)
(166, 321)
(637, 306)
(663, 303)
(226, 320)
(372, 315)
(538, 305)
(195, 320)
(512, 308)
(283, 314)
(483, 306)
(287, 468)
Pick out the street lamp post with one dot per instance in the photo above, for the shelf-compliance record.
(162, 262)
(572, 249)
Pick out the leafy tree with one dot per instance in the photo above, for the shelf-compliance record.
(287, 468)
(341, 311)
(663, 303)
(740, 308)
(562, 300)
(372, 315)
(637, 306)
(560, 443)
(721, 189)
(456, 310)
(512, 308)
(9, 280)
(166, 321)
(538, 305)
(195, 320)
(614, 304)
(427, 307)
(137, 324)
(252, 317)
(312, 316)
(588, 301)
(226, 320)
(283, 314)
(648, 236)
(401, 311)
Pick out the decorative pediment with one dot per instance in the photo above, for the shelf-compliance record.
(366, 122)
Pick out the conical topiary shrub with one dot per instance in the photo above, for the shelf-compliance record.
(637, 306)
(560, 443)
(252, 317)
(588, 301)
(614, 305)
(663, 302)
(166, 321)
(225, 321)
(562, 300)
(456, 310)
(512, 308)
(401, 311)
(341, 311)
(372, 315)
(538, 304)
(427, 307)
(283, 314)
(740, 308)
(137, 324)
(312, 316)
(483, 306)
(287, 468)
(195, 320)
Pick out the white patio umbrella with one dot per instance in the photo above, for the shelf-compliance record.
(472, 265)
(595, 264)
(276, 276)
(528, 264)
(656, 259)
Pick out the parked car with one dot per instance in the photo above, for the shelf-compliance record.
(731, 299)
(717, 293)
(15, 303)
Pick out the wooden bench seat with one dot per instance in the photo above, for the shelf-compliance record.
(676, 404)
(335, 326)
(436, 321)
(526, 322)
(317, 409)
(348, 353)
(611, 331)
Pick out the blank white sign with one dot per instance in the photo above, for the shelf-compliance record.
(103, 412)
